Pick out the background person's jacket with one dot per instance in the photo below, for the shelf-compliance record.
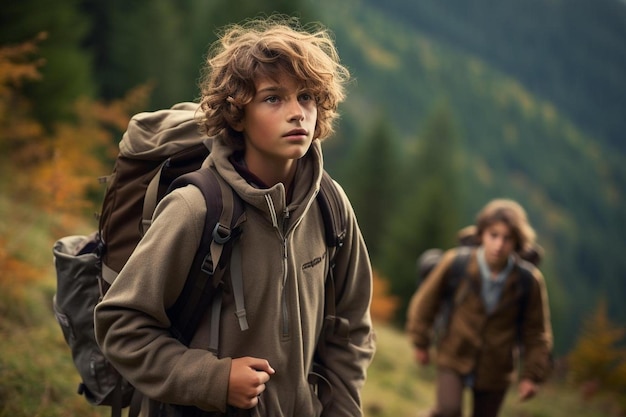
(284, 299)
(480, 343)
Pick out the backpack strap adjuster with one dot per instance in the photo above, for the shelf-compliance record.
(221, 234)
(207, 265)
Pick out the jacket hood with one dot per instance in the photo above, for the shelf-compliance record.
(306, 182)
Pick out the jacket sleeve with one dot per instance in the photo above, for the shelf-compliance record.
(131, 324)
(537, 333)
(425, 303)
(347, 346)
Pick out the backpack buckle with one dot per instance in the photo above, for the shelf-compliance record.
(221, 233)
(207, 265)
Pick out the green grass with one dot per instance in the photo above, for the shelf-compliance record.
(37, 377)
(397, 386)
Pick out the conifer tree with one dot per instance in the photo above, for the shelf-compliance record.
(164, 42)
(428, 215)
(66, 75)
(371, 184)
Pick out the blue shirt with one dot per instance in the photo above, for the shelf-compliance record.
(492, 287)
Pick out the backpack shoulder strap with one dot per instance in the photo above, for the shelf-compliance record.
(525, 283)
(334, 212)
(455, 272)
(335, 216)
(224, 214)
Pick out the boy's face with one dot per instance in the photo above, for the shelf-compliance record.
(498, 242)
(279, 123)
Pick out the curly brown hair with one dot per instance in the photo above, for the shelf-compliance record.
(513, 215)
(267, 47)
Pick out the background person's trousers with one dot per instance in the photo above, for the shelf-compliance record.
(450, 386)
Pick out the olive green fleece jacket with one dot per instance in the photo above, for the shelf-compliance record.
(480, 343)
(284, 300)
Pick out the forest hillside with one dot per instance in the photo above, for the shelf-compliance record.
(516, 136)
(451, 104)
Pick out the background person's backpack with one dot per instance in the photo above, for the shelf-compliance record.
(467, 239)
(160, 151)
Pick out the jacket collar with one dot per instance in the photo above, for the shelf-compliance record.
(254, 192)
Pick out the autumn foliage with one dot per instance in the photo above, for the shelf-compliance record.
(383, 305)
(78, 153)
(597, 364)
(55, 171)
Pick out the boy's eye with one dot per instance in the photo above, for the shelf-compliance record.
(271, 99)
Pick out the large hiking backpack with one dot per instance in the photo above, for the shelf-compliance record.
(455, 273)
(168, 155)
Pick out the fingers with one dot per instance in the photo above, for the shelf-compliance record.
(527, 389)
(247, 381)
(246, 402)
(261, 365)
(526, 395)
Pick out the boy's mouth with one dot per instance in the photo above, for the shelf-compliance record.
(296, 132)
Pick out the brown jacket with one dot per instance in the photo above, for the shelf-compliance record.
(481, 343)
(284, 265)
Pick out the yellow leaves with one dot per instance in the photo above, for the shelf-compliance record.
(383, 305)
(117, 113)
(58, 183)
(597, 357)
(54, 172)
(13, 270)
(16, 64)
(596, 352)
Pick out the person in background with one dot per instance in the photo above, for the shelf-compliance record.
(499, 312)
(269, 98)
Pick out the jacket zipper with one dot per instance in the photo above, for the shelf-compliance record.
(285, 273)
(281, 234)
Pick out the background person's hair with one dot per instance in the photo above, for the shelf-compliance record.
(513, 215)
(267, 47)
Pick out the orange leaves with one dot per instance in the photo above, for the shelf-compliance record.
(383, 305)
(57, 170)
(599, 358)
(78, 154)
(13, 270)
(53, 172)
(17, 65)
(57, 182)
(116, 114)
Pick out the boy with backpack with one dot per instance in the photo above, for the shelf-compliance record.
(499, 310)
(269, 97)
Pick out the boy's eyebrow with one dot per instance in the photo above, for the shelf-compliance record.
(271, 88)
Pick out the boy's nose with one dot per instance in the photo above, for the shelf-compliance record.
(296, 112)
